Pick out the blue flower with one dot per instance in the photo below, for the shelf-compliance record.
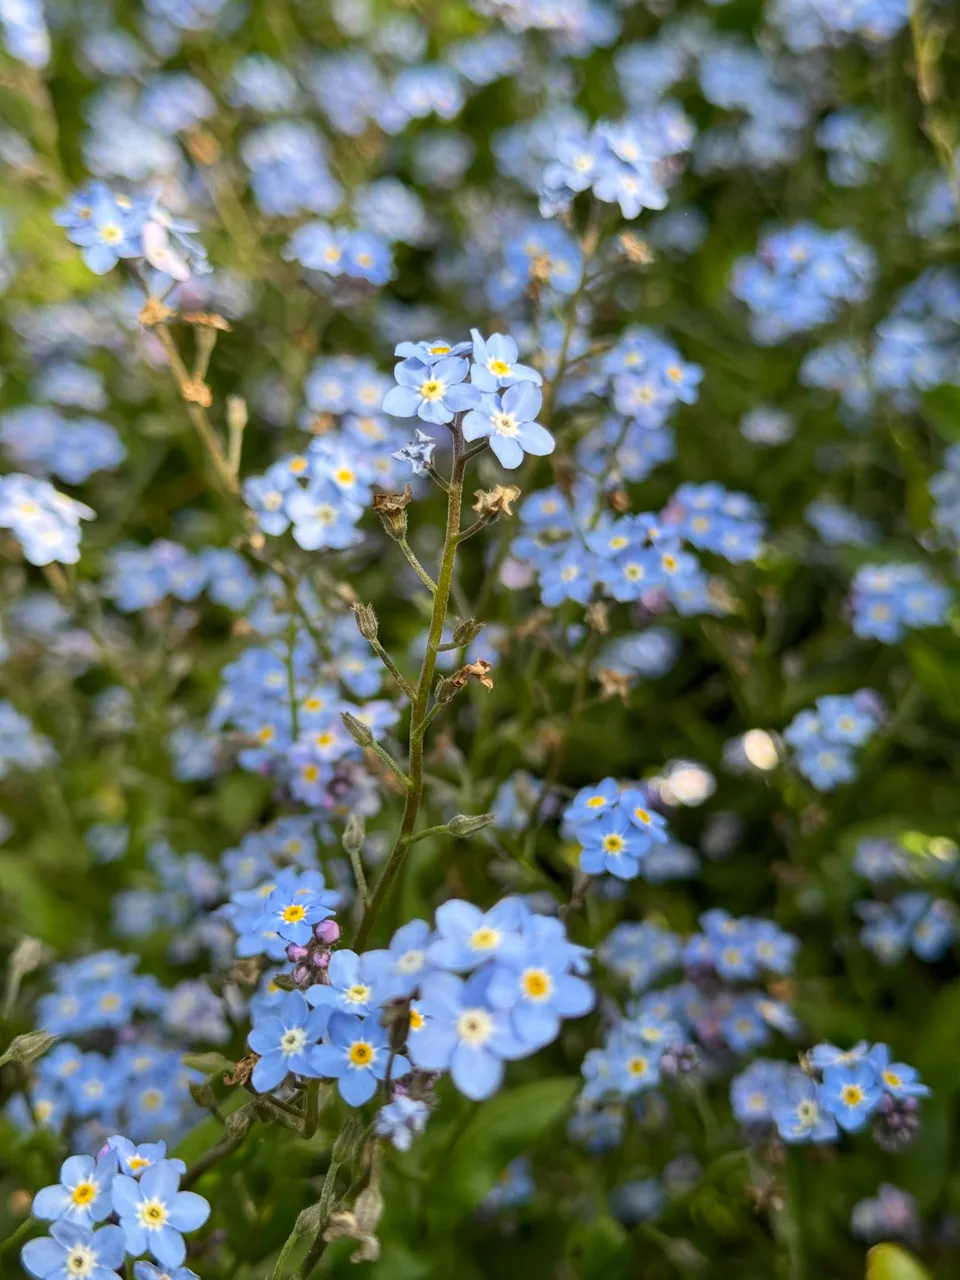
(495, 363)
(508, 423)
(284, 1038)
(799, 1113)
(402, 1120)
(615, 845)
(401, 967)
(464, 1034)
(432, 392)
(154, 1212)
(148, 1271)
(72, 1250)
(468, 936)
(351, 986)
(590, 803)
(851, 1093)
(536, 989)
(355, 1052)
(83, 1192)
(896, 1078)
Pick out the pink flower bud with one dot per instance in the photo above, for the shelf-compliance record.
(327, 931)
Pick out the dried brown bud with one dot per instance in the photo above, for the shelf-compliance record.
(243, 1070)
(196, 391)
(620, 500)
(366, 620)
(392, 510)
(597, 617)
(155, 312)
(320, 424)
(613, 684)
(491, 503)
(636, 249)
(540, 268)
(203, 147)
(480, 671)
(207, 320)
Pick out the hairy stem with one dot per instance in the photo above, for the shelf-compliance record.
(419, 713)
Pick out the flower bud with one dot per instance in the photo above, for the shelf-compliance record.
(357, 730)
(236, 413)
(296, 953)
(392, 510)
(367, 623)
(327, 931)
(465, 824)
(28, 1047)
(353, 833)
(466, 632)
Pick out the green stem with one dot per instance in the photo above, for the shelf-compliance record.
(18, 1233)
(418, 568)
(419, 713)
(392, 667)
(226, 1147)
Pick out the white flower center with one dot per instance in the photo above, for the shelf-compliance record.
(505, 424)
(152, 1214)
(475, 1027)
(81, 1261)
(410, 962)
(292, 1041)
(357, 994)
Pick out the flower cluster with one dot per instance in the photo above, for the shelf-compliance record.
(521, 981)
(616, 828)
(824, 737)
(629, 162)
(135, 1192)
(835, 1090)
(72, 449)
(799, 278)
(44, 521)
(887, 600)
(108, 228)
(141, 577)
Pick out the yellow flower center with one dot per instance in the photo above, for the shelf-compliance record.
(361, 1053)
(596, 802)
(111, 234)
(294, 913)
(153, 1214)
(613, 843)
(136, 1163)
(84, 1192)
(499, 367)
(891, 1078)
(485, 939)
(358, 993)
(432, 389)
(852, 1095)
(416, 1019)
(637, 1066)
(151, 1099)
(439, 351)
(537, 984)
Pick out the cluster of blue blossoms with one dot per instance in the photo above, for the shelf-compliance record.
(45, 522)
(72, 449)
(916, 922)
(616, 828)
(824, 738)
(122, 1204)
(887, 600)
(476, 990)
(799, 277)
(140, 577)
(833, 1090)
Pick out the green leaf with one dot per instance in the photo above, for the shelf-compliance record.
(942, 407)
(501, 1129)
(211, 1064)
(890, 1262)
(938, 671)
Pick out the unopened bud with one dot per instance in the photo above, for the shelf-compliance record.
(301, 975)
(296, 953)
(447, 689)
(367, 623)
(392, 510)
(236, 413)
(237, 1123)
(353, 833)
(466, 632)
(357, 730)
(28, 1047)
(202, 1094)
(467, 824)
(327, 931)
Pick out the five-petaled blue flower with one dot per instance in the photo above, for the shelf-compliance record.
(433, 392)
(154, 1212)
(355, 1053)
(72, 1251)
(285, 1038)
(83, 1193)
(508, 422)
